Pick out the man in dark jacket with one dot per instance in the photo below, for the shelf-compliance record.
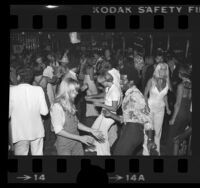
(174, 78)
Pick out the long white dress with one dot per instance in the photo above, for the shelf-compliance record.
(112, 132)
(104, 124)
(157, 110)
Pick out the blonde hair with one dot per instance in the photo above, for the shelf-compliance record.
(157, 75)
(63, 96)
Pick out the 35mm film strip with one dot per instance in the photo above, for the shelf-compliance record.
(105, 18)
(101, 170)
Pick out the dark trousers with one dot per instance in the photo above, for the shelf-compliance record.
(131, 137)
(178, 128)
(50, 136)
(165, 129)
(81, 106)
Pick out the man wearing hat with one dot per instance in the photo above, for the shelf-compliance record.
(26, 105)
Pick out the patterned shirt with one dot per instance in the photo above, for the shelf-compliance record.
(135, 109)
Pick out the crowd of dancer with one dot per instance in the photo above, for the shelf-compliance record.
(107, 103)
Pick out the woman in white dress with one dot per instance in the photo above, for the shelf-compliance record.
(111, 102)
(157, 88)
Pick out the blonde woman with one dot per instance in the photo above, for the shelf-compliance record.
(157, 88)
(65, 122)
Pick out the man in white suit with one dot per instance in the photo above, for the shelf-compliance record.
(26, 105)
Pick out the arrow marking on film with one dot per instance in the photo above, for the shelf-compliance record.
(25, 177)
(116, 177)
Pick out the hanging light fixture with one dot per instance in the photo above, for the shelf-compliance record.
(51, 6)
(74, 37)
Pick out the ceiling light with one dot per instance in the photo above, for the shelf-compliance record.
(51, 6)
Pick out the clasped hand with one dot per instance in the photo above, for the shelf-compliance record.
(98, 134)
(106, 113)
(89, 140)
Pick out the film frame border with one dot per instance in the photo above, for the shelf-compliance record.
(159, 164)
(67, 169)
(135, 22)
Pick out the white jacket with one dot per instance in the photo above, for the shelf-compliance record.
(26, 105)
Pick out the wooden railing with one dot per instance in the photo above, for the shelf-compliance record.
(182, 143)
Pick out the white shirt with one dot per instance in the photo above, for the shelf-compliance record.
(48, 72)
(57, 117)
(26, 105)
(116, 76)
(112, 94)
